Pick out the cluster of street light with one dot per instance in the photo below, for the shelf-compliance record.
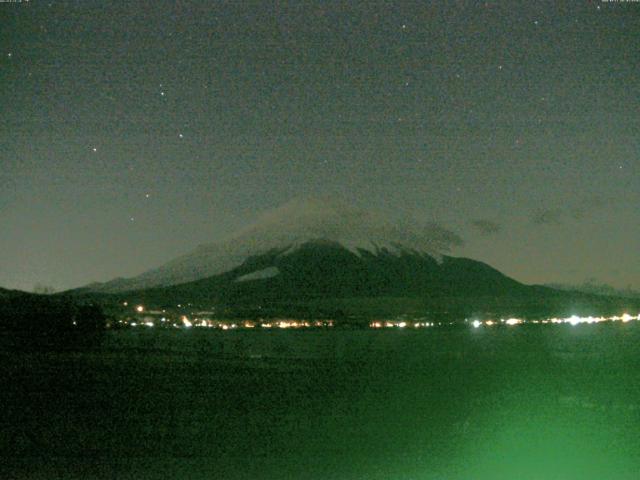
(572, 320)
(401, 323)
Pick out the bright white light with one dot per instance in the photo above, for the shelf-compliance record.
(149, 324)
(402, 324)
(186, 322)
(476, 323)
(139, 309)
(574, 320)
(489, 323)
(513, 321)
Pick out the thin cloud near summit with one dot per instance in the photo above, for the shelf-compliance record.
(485, 226)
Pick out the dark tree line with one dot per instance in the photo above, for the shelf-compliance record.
(45, 322)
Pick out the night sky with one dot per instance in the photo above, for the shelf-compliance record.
(130, 132)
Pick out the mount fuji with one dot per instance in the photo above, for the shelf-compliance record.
(288, 228)
(321, 257)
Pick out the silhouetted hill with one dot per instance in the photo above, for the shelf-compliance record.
(30, 321)
(6, 293)
(596, 288)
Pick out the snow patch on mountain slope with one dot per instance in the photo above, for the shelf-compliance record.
(268, 272)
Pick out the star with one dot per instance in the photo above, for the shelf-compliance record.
(180, 135)
(9, 54)
(147, 195)
(94, 149)
(162, 94)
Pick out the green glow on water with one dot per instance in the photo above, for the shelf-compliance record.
(550, 441)
(554, 402)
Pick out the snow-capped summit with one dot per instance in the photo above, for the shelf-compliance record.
(290, 226)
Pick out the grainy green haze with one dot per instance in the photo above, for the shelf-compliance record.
(528, 402)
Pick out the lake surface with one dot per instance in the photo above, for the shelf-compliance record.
(525, 402)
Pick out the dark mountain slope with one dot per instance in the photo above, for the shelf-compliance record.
(324, 278)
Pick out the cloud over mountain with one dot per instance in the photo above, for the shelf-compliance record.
(549, 216)
(583, 209)
(291, 225)
(314, 218)
(486, 227)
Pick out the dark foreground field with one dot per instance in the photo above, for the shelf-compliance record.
(551, 402)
